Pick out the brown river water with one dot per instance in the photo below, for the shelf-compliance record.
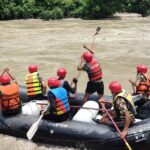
(120, 46)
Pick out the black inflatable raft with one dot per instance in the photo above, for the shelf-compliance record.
(143, 111)
(78, 134)
(82, 135)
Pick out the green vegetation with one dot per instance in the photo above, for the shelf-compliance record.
(137, 6)
(58, 9)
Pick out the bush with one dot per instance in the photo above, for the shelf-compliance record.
(141, 7)
(57, 9)
(56, 13)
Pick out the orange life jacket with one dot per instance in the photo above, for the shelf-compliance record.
(95, 71)
(144, 87)
(10, 97)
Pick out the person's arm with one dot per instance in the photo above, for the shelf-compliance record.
(1, 94)
(103, 103)
(44, 88)
(86, 47)
(79, 67)
(122, 106)
(51, 98)
(126, 125)
(12, 77)
(137, 81)
(69, 88)
(102, 100)
(134, 83)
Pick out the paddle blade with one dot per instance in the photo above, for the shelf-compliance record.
(128, 146)
(35, 125)
(32, 130)
(98, 29)
(137, 97)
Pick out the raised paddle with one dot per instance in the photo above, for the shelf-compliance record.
(133, 89)
(97, 30)
(10, 75)
(7, 71)
(31, 132)
(2, 74)
(125, 141)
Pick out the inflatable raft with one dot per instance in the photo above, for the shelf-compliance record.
(80, 132)
(143, 111)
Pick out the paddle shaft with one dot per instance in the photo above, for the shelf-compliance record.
(87, 108)
(97, 30)
(127, 144)
(133, 88)
(2, 73)
(10, 75)
(76, 77)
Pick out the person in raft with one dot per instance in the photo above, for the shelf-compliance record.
(36, 88)
(61, 73)
(124, 111)
(95, 74)
(59, 106)
(9, 95)
(142, 84)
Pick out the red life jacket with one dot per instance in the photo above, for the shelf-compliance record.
(10, 97)
(144, 87)
(95, 71)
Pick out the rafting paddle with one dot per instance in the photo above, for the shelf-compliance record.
(5, 70)
(97, 30)
(35, 125)
(125, 141)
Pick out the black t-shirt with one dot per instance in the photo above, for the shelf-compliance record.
(51, 97)
(70, 89)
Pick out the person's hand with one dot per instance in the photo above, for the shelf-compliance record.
(101, 100)
(123, 134)
(75, 80)
(6, 69)
(84, 46)
(130, 81)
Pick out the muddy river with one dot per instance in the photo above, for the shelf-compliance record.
(120, 46)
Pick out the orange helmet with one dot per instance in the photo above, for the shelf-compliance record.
(142, 68)
(33, 68)
(53, 82)
(115, 87)
(61, 72)
(87, 56)
(5, 79)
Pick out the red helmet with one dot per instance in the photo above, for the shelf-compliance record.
(32, 68)
(115, 87)
(61, 72)
(87, 56)
(142, 68)
(5, 79)
(52, 82)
